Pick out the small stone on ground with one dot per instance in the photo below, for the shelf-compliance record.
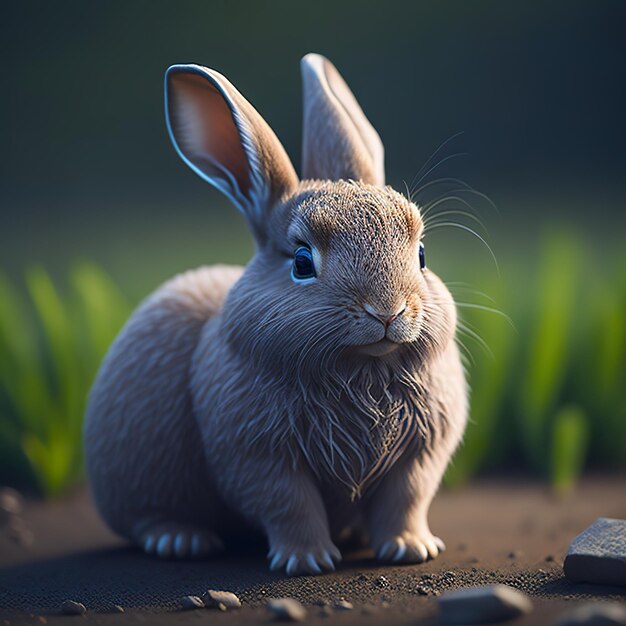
(343, 605)
(595, 614)
(70, 607)
(191, 602)
(228, 600)
(287, 609)
(598, 554)
(10, 501)
(482, 604)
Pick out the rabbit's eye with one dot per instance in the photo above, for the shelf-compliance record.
(303, 266)
(422, 256)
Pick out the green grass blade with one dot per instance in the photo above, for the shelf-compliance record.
(549, 348)
(569, 447)
(60, 340)
(23, 377)
(488, 377)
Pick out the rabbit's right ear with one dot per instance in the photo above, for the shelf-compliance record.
(222, 138)
(338, 140)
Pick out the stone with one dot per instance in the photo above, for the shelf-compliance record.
(10, 502)
(287, 609)
(598, 554)
(70, 607)
(491, 603)
(19, 532)
(595, 614)
(212, 599)
(189, 603)
(343, 605)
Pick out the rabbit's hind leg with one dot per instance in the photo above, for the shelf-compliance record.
(178, 540)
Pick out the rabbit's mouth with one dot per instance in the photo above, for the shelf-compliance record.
(380, 348)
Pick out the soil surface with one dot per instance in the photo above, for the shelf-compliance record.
(509, 532)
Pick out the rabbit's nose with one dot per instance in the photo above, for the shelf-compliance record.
(386, 317)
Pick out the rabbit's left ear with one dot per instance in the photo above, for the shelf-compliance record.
(224, 140)
(338, 140)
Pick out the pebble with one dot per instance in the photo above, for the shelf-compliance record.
(10, 501)
(70, 607)
(213, 599)
(598, 554)
(596, 614)
(118, 609)
(381, 581)
(191, 602)
(549, 558)
(491, 603)
(343, 605)
(287, 609)
(19, 531)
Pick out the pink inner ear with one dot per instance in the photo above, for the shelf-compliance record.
(205, 129)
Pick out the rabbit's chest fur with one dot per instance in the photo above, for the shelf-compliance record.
(353, 439)
(349, 434)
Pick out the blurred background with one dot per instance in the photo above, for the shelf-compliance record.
(503, 118)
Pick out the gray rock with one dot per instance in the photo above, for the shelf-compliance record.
(480, 605)
(287, 610)
(596, 614)
(191, 602)
(217, 599)
(598, 554)
(70, 607)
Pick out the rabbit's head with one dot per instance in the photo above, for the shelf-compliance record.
(339, 275)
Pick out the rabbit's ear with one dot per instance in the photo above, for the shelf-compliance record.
(222, 138)
(338, 142)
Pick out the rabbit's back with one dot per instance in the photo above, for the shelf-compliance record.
(142, 443)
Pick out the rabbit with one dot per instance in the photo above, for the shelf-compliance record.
(316, 394)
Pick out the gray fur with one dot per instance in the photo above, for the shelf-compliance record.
(236, 398)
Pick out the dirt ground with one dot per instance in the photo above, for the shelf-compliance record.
(508, 531)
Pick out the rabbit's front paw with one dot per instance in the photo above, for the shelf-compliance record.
(181, 541)
(312, 561)
(410, 548)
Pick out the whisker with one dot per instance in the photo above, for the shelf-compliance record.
(440, 163)
(473, 232)
(488, 309)
(449, 198)
(436, 152)
(429, 222)
(467, 288)
(472, 334)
